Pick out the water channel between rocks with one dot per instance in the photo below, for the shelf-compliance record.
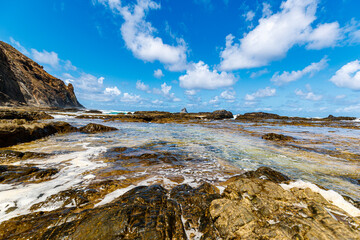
(171, 154)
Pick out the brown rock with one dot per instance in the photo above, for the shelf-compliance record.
(23, 82)
(276, 137)
(96, 128)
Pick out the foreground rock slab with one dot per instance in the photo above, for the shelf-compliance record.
(253, 206)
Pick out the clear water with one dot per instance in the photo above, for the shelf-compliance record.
(218, 150)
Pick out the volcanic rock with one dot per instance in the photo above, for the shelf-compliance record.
(23, 82)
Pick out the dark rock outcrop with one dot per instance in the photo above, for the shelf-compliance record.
(96, 128)
(276, 137)
(11, 174)
(12, 133)
(251, 207)
(220, 114)
(26, 115)
(24, 82)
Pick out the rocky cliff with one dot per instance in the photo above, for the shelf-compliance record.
(24, 82)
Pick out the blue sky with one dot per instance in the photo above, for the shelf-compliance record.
(293, 57)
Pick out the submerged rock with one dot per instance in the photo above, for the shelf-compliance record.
(96, 128)
(11, 174)
(276, 137)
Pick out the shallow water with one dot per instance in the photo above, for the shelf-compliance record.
(210, 152)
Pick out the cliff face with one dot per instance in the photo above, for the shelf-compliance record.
(24, 82)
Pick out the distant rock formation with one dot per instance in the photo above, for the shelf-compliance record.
(184, 110)
(23, 82)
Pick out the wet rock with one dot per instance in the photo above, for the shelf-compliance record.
(94, 111)
(220, 114)
(195, 203)
(183, 110)
(276, 137)
(22, 114)
(12, 133)
(253, 208)
(96, 128)
(263, 173)
(10, 155)
(12, 174)
(332, 118)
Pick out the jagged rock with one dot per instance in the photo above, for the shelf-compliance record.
(96, 128)
(265, 173)
(332, 118)
(11, 174)
(23, 82)
(183, 110)
(12, 133)
(276, 137)
(253, 208)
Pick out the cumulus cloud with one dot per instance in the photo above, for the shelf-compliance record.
(261, 93)
(228, 95)
(138, 35)
(165, 91)
(85, 82)
(199, 76)
(19, 47)
(286, 77)
(276, 33)
(158, 73)
(348, 76)
(308, 95)
(45, 57)
(142, 86)
(128, 97)
(112, 91)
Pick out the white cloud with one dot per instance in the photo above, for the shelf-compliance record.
(325, 35)
(261, 93)
(127, 97)
(342, 96)
(276, 34)
(68, 66)
(348, 76)
(308, 95)
(249, 16)
(142, 86)
(112, 91)
(19, 47)
(228, 95)
(157, 101)
(191, 92)
(165, 91)
(266, 11)
(286, 77)
(214, 100)
(158, 73)
(259, 73)
(199, 76)
(45, 57)
(85, 82)
(138, 35)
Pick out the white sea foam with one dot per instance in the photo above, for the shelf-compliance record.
(17, 199)
(330, 195)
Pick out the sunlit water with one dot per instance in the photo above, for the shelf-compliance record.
(222, 148)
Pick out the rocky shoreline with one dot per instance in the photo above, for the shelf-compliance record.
(261, 204)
